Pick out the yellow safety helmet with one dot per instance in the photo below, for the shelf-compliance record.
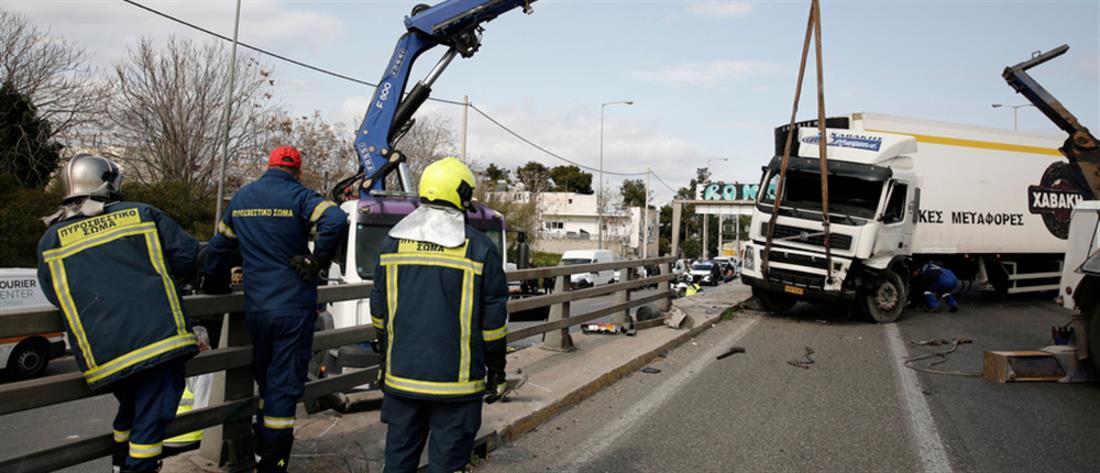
(449, 182)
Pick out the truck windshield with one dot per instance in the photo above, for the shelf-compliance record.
(847, 195)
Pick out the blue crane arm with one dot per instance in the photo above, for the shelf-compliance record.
(452, 23)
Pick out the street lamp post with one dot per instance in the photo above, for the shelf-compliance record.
(1015, 113)
(228, 115)
(599, 194)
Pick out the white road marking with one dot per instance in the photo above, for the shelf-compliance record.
(603, 439)
(930, 449)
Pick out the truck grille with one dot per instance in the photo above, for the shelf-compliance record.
(836, 241)
(795, 278)
(799, 259)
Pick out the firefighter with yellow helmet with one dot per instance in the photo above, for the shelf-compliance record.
(439, 304)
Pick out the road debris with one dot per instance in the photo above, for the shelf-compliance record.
(940, 341)
(806, 361)
(955, 342)
(731, 352)
(606, 329)
(650, 370)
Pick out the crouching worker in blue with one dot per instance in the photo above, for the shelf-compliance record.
(270, 221)
(937, 282)
(439, 304)
(112, 268)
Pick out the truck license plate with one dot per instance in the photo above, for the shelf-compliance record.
(794, 290)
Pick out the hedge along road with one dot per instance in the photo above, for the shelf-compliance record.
(855, 408)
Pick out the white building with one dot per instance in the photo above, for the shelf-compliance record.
(570, 221)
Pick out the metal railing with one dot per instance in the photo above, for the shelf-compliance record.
(227, 437)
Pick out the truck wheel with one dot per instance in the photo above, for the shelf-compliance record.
(885, 300)
(29, 359)
(775, 302)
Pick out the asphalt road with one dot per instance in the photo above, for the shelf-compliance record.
(856, 408)
(55, 425)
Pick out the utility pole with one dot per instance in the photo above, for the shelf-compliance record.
(465, 124)
(228, 116)
(719, 235)
(599, 194)
(706, 254)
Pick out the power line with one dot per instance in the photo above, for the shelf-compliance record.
(548, 152)
(662, 181)
(369, 84)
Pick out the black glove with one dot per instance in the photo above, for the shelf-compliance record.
(495, 386)
(307, 267)
(214, 284)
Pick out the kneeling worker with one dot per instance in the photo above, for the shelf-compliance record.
(439, 304)
(113, 268)
(937, 282)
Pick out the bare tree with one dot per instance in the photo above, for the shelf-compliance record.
(52, 72)
(166, 116)
(327, 153)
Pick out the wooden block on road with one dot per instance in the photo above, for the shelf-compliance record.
(1018, 366)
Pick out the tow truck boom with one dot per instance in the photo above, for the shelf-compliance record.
(456, 24)
(1081, 147)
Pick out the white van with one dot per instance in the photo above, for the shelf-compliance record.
(26, 356)
(589, 257)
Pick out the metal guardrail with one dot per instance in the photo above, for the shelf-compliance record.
(227, 421)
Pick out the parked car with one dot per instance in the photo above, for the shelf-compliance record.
(26, 356)
(706, 272)
(589, 279)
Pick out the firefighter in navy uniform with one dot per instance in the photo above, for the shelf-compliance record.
(112, 268)
(439, 304)
(270, 221)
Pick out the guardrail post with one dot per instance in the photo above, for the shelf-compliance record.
(665, 304)
(623, 319)
(231, 443)
(559, 340)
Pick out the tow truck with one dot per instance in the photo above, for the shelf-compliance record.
(1080, 282)
(373, 209)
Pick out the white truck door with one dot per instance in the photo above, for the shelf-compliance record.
(898, 220)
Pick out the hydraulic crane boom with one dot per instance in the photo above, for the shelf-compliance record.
(456, 24)
(1081, 147)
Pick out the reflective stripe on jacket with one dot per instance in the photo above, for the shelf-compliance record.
(270, 220)
(114, 278)
(439, 311)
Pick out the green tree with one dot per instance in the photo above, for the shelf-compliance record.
(496, 175)
(21, 210)
(186, 204)
(27, 153)
(633, 192)
(534, 176)
(571, 179)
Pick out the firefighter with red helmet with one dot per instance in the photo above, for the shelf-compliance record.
(270, 221)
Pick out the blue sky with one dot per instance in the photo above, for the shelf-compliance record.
(710, 79)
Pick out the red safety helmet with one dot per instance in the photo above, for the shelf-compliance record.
(287, 156)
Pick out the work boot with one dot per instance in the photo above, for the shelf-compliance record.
(273, 457)
(118, 457)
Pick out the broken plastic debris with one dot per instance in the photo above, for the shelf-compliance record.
(731, 351)
(650, 370)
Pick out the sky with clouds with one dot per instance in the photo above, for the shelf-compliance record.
(709, 79)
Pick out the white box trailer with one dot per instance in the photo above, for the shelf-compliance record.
(993, 205)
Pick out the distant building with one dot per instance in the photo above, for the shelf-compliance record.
(570, 221)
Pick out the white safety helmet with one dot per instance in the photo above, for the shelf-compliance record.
(90, 175)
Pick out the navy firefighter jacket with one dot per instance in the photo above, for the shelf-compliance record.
(270, 220)
(439, 312)
(114, 278)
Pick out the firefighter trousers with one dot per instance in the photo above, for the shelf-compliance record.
(147, 402)
(451, 426)
(282, 344)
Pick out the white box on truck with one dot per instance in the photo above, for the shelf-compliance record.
(983, 190)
